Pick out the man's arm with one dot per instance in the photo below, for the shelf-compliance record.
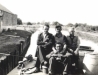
(65, 46)
(49, 55)
(65, 39)
(50, 42)
(53, 48)
(70, 50)
(40, 41)
(68, 46)
(77, 49)
(78, 46)
(64, 51)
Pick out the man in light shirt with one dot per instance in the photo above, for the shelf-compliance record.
(59, 37)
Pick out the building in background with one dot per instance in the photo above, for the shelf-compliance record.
(7, 18)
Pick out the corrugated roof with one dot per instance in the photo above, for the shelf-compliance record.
(5, 9)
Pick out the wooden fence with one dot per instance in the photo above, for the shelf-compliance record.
(9, 62)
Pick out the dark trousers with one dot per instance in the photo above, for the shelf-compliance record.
(56, 66)
(41, 53)
(75, 59)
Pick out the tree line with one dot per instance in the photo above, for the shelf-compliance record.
(78, 26)
(19, 22)
(83, 27)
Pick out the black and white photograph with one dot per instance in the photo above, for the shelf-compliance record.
(48, 37)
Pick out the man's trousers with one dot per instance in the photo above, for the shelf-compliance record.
(59, 66)
(41, 53)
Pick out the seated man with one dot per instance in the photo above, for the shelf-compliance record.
(59, 37)
(73, 47)
(57, 61)
(44, 46)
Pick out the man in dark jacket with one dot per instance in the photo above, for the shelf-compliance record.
(45, 42)
(73, 47)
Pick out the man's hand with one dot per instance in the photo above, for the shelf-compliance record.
(46, 39)
(55, 51)
(44, 46)
(60, 55)
(67, 55)
(76, 52)
(58, 58)
(45, 42)
(71, 50)
(54, 55)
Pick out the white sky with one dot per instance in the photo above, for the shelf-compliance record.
(64, 11)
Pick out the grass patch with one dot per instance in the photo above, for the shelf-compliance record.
(9, 43)
(21, 33)
(87, 37)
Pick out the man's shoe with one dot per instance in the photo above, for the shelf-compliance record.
(36, 70)
(65, 73)
(45, 62)
(50, 73)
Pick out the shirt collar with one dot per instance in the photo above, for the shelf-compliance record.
(58, 34)
(45, 33)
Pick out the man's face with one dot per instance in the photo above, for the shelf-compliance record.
(72, 33)
(58, 47)
(58, 30)
(45, 29)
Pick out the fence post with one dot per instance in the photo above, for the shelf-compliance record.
(1, 68)
(21, 44)
(7, 62)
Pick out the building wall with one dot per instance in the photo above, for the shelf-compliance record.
(14, 19)
(0, 24)
(8, 20)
